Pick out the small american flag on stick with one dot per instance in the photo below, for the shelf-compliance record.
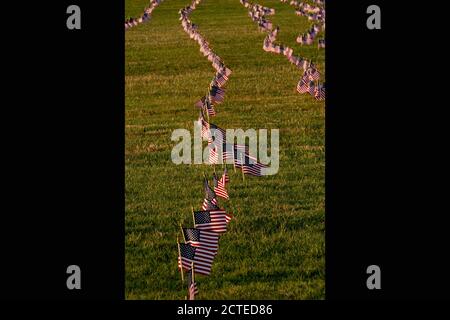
(319, 92)
(208, 106)
(219, 187)
(209, 193)
(313, 74)
(213, 220)
(210, 204)
(201, 238)
(303, 85)
(248, 163)
(220, 79)
(201, 258)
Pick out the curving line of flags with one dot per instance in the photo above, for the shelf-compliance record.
(313, 13)
(310, 80)
(220, 150)
(201, 243)
(146, 16)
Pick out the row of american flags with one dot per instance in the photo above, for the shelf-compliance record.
(201, 242)
(313, 13)
(309, 83)
(215, 93)
(220, 151)
(310, 80)
(308, 37)
(146, 16)
(196, 254)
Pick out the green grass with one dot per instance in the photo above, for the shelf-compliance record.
(275, 248)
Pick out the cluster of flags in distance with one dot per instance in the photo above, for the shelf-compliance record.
(146, 16)
(310, 73)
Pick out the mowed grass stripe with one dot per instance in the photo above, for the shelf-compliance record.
(274, 248)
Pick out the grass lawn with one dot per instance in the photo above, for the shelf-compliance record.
(275, 247)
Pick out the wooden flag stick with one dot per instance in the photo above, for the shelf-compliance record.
(193, 217)
(181, 262)
(207, 112)
(242, 169)
(192, 281)
(182, 231)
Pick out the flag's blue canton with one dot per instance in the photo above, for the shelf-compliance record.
(191, 234)
(202, 217)
(187, 251)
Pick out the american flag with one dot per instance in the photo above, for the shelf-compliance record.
(202, 258)
(252, 169)
(228, 151)
(313, 74)
(201, 238)
(266, 45)
(298, 61)
(217, 131)
(303, 85)
(216, 94)
(227, 71)
(210, 204)
(217, 135)
(209, 106)
(214, 149)
(219, 187)
(225, 176)
(210, 130)
(288, 52)
(249, 164)
(192, 285)
(213, 87)
(211, 56)
(213, 220)
(209, 193)
(220, 79)
(205, 129)
(305, 64)
(213, 154)
(319, 92)
(217, 64)
(200, 102)
(312, 89)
